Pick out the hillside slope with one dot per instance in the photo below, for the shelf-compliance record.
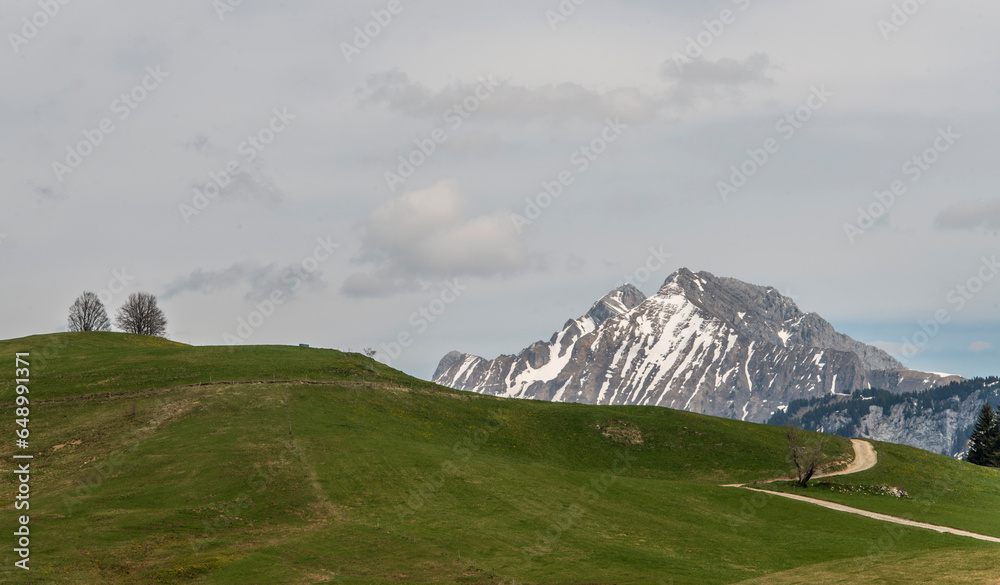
(315, 466)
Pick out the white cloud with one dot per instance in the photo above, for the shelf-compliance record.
(751, 71)
(896, 349)
(981, 346)
(430, 234)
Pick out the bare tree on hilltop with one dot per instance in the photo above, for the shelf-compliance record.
(141, 316)
(88, 314)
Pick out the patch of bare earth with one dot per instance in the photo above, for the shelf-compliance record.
(621, 431)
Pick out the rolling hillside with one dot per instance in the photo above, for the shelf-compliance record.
(157, 462)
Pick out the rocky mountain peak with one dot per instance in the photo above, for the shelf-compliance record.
(728, 298)
(449, 360)
(617, 302)
(765, 315)
(702, 343)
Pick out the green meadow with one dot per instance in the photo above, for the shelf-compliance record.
(157, 462)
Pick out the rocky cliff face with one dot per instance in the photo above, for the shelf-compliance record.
(944, 432)
(712, 345)
(938, 420)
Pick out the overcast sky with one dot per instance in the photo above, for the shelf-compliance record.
(227, 155)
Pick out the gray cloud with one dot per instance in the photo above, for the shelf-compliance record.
(200, 143)
(210, 282)
(252, 184)
(48, 193)
(971, 215)
(703, 80)
(260, 281)
(376, 284)
(564, 101)
(474, 143)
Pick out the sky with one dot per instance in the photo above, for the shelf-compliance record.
(424, 176)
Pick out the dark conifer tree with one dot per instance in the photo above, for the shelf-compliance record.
(984, 444)
(993, 441)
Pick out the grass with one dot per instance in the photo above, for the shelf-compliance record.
(76, 364)
(979, 567)
(941, 490)
(316, 466)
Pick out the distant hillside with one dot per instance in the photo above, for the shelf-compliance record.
(159, 463)
(938, 420)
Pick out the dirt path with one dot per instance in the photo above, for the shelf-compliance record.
(877, 516)
(865, 457)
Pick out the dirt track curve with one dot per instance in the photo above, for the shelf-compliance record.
(865, 457)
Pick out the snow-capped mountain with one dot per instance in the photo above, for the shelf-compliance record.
(705, 344)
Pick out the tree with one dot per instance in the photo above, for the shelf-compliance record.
(804, 454)
(984, 444)
(141, 316)
(88, 314)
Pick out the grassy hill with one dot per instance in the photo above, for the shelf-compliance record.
(157, 462)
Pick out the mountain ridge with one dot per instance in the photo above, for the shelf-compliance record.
(712, 345)
(939, 420)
